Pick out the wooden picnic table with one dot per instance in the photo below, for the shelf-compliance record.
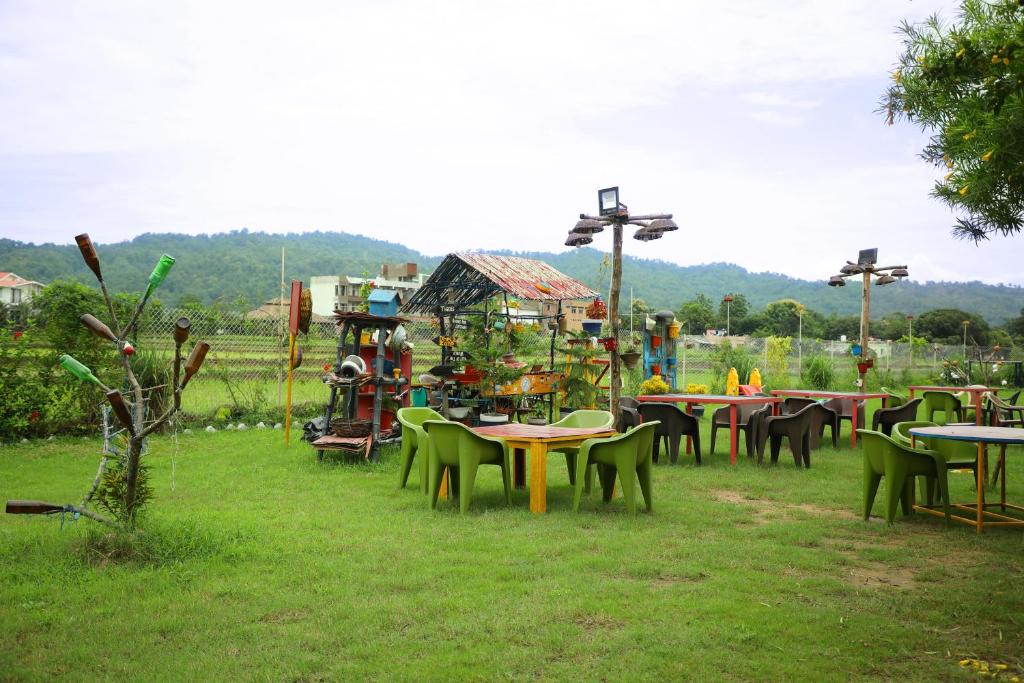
(983, 436)
(538, 439)
(856, 396)
(714, 399)
(977, 394)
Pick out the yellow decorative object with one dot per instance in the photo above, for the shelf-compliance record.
(696, 388)
(755, 378)
(673, 330)
(364, 338)
(654, 385)
(732, 383)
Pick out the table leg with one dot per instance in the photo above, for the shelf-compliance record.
(977, 408)
(732, 434)
(539, 477)
(1002, 478)
(443, 493)
(518, 468)
(853, 423)
(981, 488)
(689, 442)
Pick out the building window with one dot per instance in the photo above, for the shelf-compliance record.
(15, 296)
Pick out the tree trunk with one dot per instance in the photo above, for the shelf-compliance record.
(615, 381)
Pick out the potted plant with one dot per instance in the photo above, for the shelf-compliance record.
(537, 417)
(653, 386)
(578, 373)
(656, 369)
(631, 356)
(596, 313)
(484, 349)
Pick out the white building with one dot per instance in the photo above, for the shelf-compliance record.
(341, 292)
(16, 290)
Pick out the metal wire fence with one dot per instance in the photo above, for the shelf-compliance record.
(246, 365)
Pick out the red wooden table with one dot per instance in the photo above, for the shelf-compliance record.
(537, 439)
(714, 399)
(856, 396)
(977, 393)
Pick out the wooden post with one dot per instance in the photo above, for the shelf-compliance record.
(615, 381)
(865, 315)
(288, 394)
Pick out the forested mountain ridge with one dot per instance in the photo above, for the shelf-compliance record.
(247, 265)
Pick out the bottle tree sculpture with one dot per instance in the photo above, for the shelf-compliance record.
(121, 485)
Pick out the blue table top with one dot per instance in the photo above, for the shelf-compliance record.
(974, 433)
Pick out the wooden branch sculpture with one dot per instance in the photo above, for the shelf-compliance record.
(129, 413)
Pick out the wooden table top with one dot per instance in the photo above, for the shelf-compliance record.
(1009, 435)
(706, 398)
(814, 393)
(527, 432)
(953, 390)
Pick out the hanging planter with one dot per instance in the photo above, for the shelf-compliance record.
(655, 341)
(610, 344)
(866, 365)
(656, 369)
(649, 324)
(630, 359)
(592, 327)
(673, 330)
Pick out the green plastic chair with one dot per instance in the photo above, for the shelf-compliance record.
(458, 448)
(942, 402)
(415, 442)
(626, 455)
(899, 464)
(959, 455)
(895, 400)
(581, 419)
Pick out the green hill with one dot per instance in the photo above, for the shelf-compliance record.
(243, 264)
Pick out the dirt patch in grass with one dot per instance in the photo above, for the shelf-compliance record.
(878, 575)
(765, 510)
(596, 622)
(667, 581)
(284, 616)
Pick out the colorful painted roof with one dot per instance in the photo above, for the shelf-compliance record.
(464, 279)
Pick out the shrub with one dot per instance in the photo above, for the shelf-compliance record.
(24, 385)
(819, 373)
(727, 357)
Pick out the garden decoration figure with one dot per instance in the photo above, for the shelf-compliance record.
(755, 378)
(732, 383)
(121, 485)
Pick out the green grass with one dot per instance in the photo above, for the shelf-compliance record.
(259, 563)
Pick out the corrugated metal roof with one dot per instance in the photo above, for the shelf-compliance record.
(520, 276)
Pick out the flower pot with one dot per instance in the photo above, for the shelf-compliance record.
(655, 369)
(592, 326)
(673, 330)
(655, 341)
(493, 418)
(536, 421)
(630, 359)
(610, 344)
(364, 338)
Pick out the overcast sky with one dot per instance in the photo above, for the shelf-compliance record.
(460, 125)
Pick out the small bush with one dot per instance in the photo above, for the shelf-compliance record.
(819, 373)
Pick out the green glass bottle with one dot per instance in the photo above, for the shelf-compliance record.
(159, 274)
(77, 369)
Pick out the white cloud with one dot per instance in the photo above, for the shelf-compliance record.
(424, 123)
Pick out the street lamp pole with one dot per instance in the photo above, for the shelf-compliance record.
(728, 305)
(866, 266)
(616, 214)
(965, 324)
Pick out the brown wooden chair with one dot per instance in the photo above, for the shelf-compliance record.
(673, 425)
(843, 408)
(796, 427)
(720, 418)
(1005, 414)
(885, 418)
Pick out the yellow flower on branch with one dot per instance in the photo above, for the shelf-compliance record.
(995, 59)
(964, 190)
(961, 52)
(947, 177)
(987, 155)
(968, 136)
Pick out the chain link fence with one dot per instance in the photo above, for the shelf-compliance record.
(246, 366)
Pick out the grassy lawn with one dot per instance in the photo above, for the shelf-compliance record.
(266, 565)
